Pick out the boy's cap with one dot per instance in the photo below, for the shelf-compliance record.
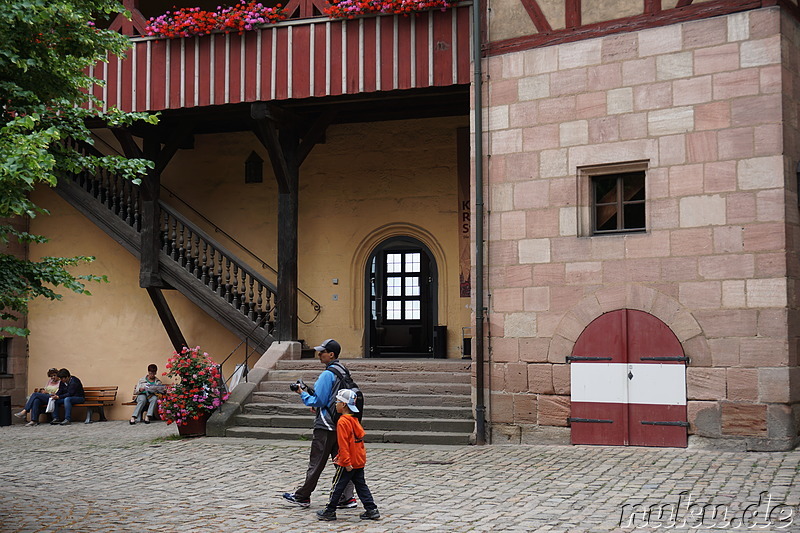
(329, 345)
(349, 397)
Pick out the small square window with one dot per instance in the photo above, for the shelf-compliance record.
(618, 202)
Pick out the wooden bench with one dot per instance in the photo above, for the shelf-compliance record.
(97, 398)
(144, 411)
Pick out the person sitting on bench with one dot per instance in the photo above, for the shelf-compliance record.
(145, 394)
(69, 392)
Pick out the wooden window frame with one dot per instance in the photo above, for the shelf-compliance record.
(587, 210)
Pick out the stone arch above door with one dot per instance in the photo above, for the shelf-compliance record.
(638, 297)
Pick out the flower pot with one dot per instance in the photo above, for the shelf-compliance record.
(194, 428)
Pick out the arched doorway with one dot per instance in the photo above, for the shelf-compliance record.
(400, 299)
(628, 382)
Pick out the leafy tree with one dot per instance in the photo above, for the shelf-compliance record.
(45, 48)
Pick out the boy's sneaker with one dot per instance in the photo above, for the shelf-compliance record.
(291, 498)
(370, 514)
(31, 424)
(327, 516)
(55, 421)
(21, 414)
(65, 422)
(347, 504)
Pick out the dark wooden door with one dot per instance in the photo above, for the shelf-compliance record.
(628, 383)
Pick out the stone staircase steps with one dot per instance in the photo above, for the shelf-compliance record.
(419, 401)
(375, 399)
(373, 436)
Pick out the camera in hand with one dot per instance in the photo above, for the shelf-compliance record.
(300, 385)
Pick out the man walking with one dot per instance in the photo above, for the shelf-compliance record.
(323, 444)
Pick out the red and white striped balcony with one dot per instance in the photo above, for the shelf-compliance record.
(297, 59)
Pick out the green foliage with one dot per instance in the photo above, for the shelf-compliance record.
(45, 49)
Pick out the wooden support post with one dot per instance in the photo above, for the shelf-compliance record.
(167, 318)
(287, 240)
(151, 226)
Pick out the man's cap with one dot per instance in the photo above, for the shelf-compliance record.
(329, 345)
(349, 397)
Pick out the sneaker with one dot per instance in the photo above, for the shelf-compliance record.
(347, 504)
(21, 414)
(370, 514)
(55, 421)
(325, 515)
(291, 498)
(66, 422)
(31, 424)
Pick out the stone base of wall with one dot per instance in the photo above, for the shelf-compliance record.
(527, 434)
(750, 444)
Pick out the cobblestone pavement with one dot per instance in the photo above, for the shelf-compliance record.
(112, 477)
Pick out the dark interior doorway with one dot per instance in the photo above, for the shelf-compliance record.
(401, 299)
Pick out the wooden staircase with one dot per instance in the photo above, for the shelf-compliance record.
(419, 401)
(230, 291)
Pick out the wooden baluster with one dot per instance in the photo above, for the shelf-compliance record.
(165, 242)
(180, 244)
(250, 305)
(174, 240)
(187, 256)
(213, 280)
(225, 289)
(260, 304)
(204, 277)
(196, 264)
(236, 299)
(137, 220)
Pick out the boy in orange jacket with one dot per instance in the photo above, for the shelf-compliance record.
(351, 459)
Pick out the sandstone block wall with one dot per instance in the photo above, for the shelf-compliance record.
(708, 106)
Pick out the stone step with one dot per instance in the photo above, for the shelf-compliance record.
(435, 389)
(372, 410)
(432, 425)
(373, 436)
(384, 365)
(375, 399)
(361, 377)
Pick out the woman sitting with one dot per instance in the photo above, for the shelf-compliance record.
(43, 394)
(145, 394)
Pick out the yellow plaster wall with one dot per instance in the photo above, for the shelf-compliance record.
(365, 183)
(108, 338)
(365, 180)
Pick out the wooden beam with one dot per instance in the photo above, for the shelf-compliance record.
(167, 318)
(573, 13)
(665, 17)
(267, 133)
(150, 221)
(129, 146)
(652, 6)
(537, 16)
(315, 134)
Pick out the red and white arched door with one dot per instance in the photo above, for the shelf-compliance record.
(628, 377)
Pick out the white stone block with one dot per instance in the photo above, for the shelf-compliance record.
(496, 117)
(506, 141)
(579, 54)
(574, 133)
(541, 60)
(739, 27)
(568, 221)
(520, 325)
(767, 292)
(534, 88)
(760, 172)
(670, 121)
(619, 101)
(674, 66)
(534, 251)
(733, 294)
(661, 40)
(709, 210)
(761, 52)
(553, 163)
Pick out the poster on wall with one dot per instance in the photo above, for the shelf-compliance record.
(463, 212)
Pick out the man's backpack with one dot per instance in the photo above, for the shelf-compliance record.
(345, 381)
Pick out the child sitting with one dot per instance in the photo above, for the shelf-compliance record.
(351, 459)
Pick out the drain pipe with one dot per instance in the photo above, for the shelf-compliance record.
(480, 407)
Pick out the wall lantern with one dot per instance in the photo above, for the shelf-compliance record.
(253, 169)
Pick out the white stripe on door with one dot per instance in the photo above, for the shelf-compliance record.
(652, 384)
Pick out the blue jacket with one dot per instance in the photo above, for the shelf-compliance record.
(73, 387)
(323, 398)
